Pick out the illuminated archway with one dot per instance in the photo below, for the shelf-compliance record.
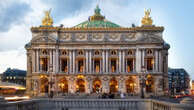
(130, 85)
(113, 84)
(80, 85)
(63, 85)
(149, 83)
(44, 84)
(96, 85)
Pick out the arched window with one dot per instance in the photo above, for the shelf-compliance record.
(113, 52)
(81, 52)
(64, 52)
(97, 52)
(149, 52)
(130, 52)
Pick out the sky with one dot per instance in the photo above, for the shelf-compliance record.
(18, 16)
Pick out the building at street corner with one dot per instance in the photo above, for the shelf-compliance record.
(179, 81)
(97, 56)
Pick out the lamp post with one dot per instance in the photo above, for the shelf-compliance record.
(142, 81)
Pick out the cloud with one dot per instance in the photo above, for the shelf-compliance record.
(65, 8)
(12, 13)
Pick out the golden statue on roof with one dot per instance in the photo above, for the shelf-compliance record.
(147, 20)
(47, 20)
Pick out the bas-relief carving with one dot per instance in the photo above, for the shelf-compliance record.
(44, 38)
(114, 37)
(65, 37)
(97, 37)
(81, 37)
(148, 38)
(130, 37)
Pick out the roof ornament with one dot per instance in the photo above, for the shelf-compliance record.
(47, 20)
(97, 15)
(147, 20)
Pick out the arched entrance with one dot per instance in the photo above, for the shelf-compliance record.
(80, 85)
(149, 83)
(130, 85)
(113, 84)
(44, 84)
(96, 85)
(63, 85)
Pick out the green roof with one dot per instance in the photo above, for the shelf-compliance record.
(97, 24)
(97, 21)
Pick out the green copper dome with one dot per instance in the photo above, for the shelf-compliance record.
(97, 21)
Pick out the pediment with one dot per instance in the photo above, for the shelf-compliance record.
(44, 39)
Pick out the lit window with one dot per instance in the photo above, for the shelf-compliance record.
(44, 64)
(129, 65)
(113, 65)
(150, 63)
(64, 67)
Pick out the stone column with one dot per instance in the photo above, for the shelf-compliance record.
(71, 85)
(156, 61)
(87, 59)
(107, 62)
(73, 61)
(70, 61)
(120, 61)
(54, 60)
(33, 61)
(103, 60)
(37, 60)
(50, 59)
(123, 62)
(90, 61)
(121, 84)
(105, 85)
(138, 60)
(160, 61)
(57, 60)
(143, 57)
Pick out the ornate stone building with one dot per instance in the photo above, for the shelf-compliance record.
(97, 56)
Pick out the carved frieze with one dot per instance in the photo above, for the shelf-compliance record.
(114, 37)
(129, 36)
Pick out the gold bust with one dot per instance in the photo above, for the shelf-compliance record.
(147, 20)
(47, 20)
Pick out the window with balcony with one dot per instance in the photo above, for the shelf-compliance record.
(129, 65)
(97, 65)
(113, 65)
(80, 66)
(64, 67)
(150, 64)
(44, 64)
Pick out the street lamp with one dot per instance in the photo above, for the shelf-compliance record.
(142, 81)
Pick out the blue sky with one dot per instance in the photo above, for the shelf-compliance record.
(16, 18)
